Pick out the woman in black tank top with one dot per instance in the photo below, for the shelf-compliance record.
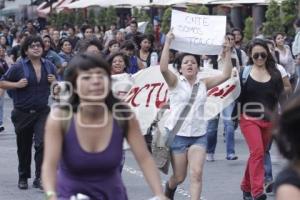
(259, 98)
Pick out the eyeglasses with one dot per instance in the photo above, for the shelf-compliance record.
(257, 55)
(32, 46)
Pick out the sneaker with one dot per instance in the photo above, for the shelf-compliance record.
(231, 157)
(37, 183)
(210, 157)
(23, 184)
(269, 187)
(261, 197)
(247, 196)
(2, 128)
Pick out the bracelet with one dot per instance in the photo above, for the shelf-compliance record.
(49, 194)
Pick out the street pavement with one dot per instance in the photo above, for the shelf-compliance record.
(220, 182)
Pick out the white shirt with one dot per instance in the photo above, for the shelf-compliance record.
(194, 124)
(281, 70)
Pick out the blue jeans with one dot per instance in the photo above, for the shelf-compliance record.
(268, 164)
(212, 130)
(1, 109)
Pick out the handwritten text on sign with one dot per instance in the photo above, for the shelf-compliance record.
(198, 34)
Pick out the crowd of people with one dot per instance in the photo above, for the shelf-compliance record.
(73, 154)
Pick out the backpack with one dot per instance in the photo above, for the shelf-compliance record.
(50, 70)
(239, 55)
(244, 74)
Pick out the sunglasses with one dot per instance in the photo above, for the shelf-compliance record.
(257, 55)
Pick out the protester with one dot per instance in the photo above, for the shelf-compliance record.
(268, 186)
(113, 47)
(72, 36)
(189, 144)
(93, 46)
(286, 133)
(120, 37)
(134, 63)
(110, 34)
(133, 33)
(3, 69)
(229, 125)
(66, 52)
(145, 45)
(51, 55)
(285, 56)
(296, 43)
(88, 155)
(88, 32)
(30, 79)
(55, 39)
(260, 93)
(118, 63)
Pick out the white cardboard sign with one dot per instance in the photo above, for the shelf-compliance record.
(198, 34)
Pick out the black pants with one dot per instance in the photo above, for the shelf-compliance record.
(29, 127)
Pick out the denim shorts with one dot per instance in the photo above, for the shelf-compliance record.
(181, 144)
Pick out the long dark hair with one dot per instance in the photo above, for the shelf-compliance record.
(270, 64)
(84, 62)
(125, 59)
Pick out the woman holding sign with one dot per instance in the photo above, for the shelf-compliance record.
(186, 122)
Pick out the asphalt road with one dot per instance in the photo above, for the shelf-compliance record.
(220, 182)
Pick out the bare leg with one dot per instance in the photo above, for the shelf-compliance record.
(196, 159)
(179, 165)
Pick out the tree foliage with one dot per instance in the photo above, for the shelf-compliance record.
(92, 17)
(273, 21)
(110, 16)
(248, 30)
(196, 9)
(166, 20)
(101, 17)
(289, 14)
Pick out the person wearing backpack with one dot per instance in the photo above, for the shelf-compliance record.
(261, 88)
(229, 125)
(84, 144)
(28, 83)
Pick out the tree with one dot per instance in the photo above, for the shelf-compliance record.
(248, 31)
(196, 9)
(101, 17)
(110, 16)
(142, 16)
(92, 17)
(273, 21)
(289, 14)
(166, 20)
(79, 19)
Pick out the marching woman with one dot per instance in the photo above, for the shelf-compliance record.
(84, 155)
(189, 145)
(261, 88)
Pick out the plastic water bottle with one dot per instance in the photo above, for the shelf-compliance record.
(153, 59)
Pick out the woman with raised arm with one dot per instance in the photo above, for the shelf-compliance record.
(189, 144)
